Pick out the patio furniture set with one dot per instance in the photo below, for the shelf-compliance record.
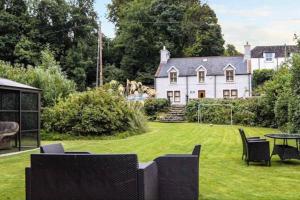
(256, 149)
(56, 174)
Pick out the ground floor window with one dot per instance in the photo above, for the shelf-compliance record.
(226, 94)
(177, 96)
(230, 94)
(173, 96)
(170, 96)
(234, 93)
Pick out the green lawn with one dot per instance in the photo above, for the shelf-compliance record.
(222, 173)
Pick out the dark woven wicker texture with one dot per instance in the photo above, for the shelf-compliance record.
(255, 149)
(111, 176)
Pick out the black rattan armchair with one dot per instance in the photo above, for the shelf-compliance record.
(8, 130)
(255, 149)
(178, 175)
(57, 149)
(243, 137)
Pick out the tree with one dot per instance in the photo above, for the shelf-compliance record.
(187, 28)
(231, 51)
(261, 76)
(271, 92)
(13, 17)
(294, 107)
(202, 31)
(67, 27)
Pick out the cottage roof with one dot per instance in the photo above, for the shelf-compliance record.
(214, 65)
(258, 51)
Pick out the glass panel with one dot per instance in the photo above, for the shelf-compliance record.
(29, 138)
(226, 94)
(234, 93)
(269, 56)
(29, 121)
(9, 116)
(9, 100)
(177, 96)
(29, 101)
(229, 75)
(170, 95)
(173, 77)
(201, 77)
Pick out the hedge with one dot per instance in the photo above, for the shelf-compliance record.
(252, 111)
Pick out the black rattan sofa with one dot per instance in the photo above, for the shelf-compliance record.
(112, 177)
(255, 149)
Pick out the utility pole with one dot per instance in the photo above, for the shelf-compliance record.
(99, 73)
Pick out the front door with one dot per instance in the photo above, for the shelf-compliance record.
(201, 94)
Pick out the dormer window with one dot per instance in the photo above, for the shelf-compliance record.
(269, 57)
(229, 75)
(173, 75)
(229, 72)
(201, 73)
(201, 76)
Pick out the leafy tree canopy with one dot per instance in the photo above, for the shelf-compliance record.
(186, 28)
(67, 28)
(231, 50)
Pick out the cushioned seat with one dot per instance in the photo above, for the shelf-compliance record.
(8, 131)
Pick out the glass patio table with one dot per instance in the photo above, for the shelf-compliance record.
(284, 150)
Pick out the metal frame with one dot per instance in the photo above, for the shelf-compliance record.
(215, 104)
(284, 150)
(19, 91)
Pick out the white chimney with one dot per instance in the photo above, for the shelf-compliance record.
(247, 53)
(164, 55)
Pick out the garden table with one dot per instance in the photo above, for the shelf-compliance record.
(284, 150)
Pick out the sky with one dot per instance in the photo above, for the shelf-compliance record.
(259, 22)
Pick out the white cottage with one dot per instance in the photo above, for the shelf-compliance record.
(271, 57)
(181, 79)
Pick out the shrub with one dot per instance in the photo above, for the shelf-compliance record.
(94, 112)
(209, 114)
(281, 111)
(153, 106)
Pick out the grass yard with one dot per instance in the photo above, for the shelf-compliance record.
(223, 175)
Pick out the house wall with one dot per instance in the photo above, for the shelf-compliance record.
(213, 86)
(261, 63)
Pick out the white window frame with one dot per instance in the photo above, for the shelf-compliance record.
(177, 99)
(173, 78)
(171, 71)
(229, 67)
(269, 57)
(230, 96)
(198, 70)
(173, 98)
(237, 93)
(227, 97)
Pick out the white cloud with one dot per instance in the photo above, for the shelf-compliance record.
(256, 12)
(275, 33)
(258, 26)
